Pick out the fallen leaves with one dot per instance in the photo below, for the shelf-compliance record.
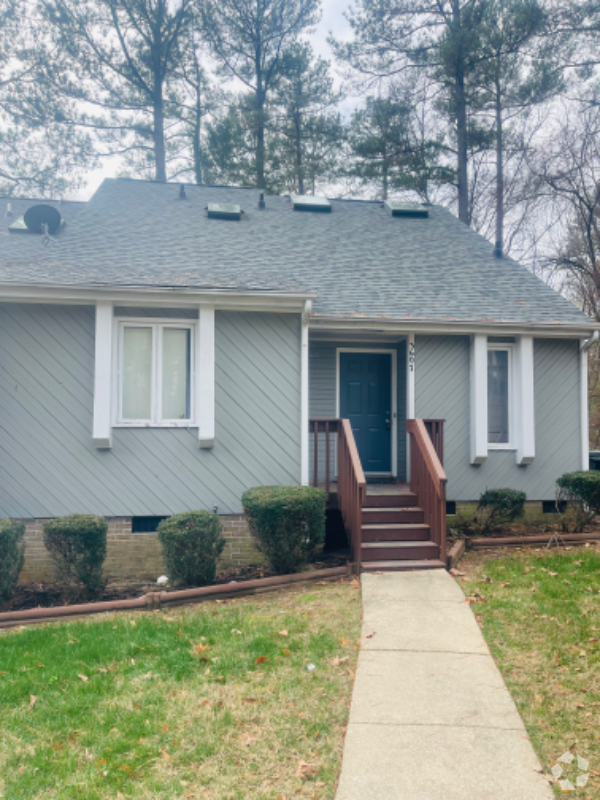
(32, 701)
(200, 648)
(283, 633)
(260, 659)
(84, 678)
(337, 661)
(370, 635)
(304, 769)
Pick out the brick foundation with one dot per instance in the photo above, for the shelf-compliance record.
(135, 555)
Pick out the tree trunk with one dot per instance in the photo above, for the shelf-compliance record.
(498, 248)
(160, 158)
(260, 137)
(461, 118)
(299, 165)
(384, 174)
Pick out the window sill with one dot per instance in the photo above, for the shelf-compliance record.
(502, 447)
(186, 424)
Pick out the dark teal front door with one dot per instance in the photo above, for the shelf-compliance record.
(365, 399)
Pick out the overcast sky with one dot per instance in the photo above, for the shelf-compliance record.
(332, 20)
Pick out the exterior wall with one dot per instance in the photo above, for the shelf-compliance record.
(135, 556)
(442, 389)
(322, 379)
(49, 466)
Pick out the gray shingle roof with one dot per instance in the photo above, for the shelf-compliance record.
(361, 260)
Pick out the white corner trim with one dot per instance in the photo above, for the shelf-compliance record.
(479, 401)
(102, 426)
(585, 418)
(411, 367)
(205, 376)
(304, 397)
(524, 401)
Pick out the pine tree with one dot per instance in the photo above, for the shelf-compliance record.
(248, 39)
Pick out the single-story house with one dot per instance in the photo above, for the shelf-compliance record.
(165, 348)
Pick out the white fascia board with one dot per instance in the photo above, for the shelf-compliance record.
(304, 398)
(479, 400)
(524, 401)
(449, 327)
(170, 297)
(205, 376)
(102, 425)
(584, 412)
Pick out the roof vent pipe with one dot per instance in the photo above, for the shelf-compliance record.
(182, 194)
(498, 250)
(261, 202)
(9, 212)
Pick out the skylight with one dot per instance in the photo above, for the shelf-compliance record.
(224, 211)
(406, 208)
(308, 202)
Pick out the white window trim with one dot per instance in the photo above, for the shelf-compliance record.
(205, 377)
(479, 406)
(156, 324)
(510, 445)
(103, 372)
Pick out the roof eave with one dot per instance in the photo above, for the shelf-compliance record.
(451, 326)
(155, 296)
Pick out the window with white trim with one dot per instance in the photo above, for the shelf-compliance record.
(155, 373)
(499, 396)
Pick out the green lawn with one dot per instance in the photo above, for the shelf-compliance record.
(208, 701)
(540, 614)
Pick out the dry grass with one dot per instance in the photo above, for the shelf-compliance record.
(540, 613)
(211, 701)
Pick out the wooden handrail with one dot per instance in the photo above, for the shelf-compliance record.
(351, 482)
(428, 481)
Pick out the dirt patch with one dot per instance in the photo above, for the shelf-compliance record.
(50, 595)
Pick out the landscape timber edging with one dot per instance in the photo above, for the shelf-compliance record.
(154, 601)
(530, 541)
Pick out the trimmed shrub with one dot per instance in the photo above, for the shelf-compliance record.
(498, 507)
(582, 491)
(12, 555)
(191, 543)
(77, 546)
(287, 523)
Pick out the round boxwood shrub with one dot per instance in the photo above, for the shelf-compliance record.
(498, 507)
(77, 546)
(582, 491)
(287, 523)
(12, 555)
(191, 544)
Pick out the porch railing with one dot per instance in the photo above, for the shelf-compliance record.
(351, 482)
(428, 481)
(435, 429)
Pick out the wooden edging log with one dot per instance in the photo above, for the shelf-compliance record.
(527, 541)
(455, 553)
(154, 601)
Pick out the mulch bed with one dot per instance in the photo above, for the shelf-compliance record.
(50, 595)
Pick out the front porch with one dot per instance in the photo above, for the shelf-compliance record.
(391, 525)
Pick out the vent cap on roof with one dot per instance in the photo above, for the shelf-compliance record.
(308, 202)
(224, 211)
(406, 208)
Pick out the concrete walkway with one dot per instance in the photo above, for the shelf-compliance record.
(431, 717)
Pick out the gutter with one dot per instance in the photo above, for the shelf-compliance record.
(450, 326)
(585, 346)
(178, 296)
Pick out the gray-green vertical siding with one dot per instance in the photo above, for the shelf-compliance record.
(49, 466)
(442, 390)
(323, 390)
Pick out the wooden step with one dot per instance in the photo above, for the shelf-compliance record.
(398, 514)
(402, 565)
(399, 551)
(396, 532)
(402, 499)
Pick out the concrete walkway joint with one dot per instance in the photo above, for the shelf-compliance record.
(431, 717)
